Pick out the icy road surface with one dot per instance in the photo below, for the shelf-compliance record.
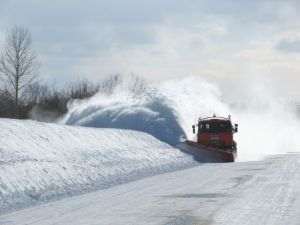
(256, 193)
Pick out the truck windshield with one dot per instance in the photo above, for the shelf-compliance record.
(215, 126)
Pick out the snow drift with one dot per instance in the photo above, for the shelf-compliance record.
(40, 161)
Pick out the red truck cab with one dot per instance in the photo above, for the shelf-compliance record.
(216, 132)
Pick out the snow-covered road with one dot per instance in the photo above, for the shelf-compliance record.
(265, 192)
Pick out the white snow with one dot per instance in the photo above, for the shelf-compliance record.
(40, 161)
(249, 193)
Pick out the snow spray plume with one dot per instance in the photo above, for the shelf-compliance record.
(128, 104)
(168, 111)
(267, 118)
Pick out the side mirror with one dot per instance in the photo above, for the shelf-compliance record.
(236, 128)
(194, 129)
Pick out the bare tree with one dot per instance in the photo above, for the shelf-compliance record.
(18, 62)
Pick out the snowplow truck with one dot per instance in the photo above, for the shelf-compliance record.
(214, 135)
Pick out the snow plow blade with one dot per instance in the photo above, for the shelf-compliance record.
(209, 153)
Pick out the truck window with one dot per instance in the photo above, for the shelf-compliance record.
(215, 126)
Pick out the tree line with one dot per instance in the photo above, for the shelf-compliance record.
(21, 91)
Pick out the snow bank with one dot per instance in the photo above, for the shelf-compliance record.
(40, 161)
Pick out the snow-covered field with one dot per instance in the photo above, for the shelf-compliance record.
(40, 161)
(248, 193)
